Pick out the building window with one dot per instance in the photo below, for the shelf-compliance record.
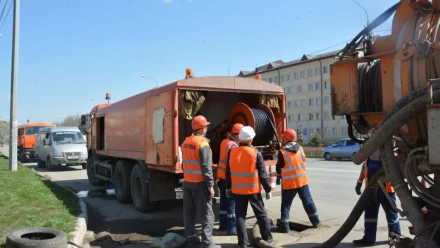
(335, 131)
(270, 80)
(300, 88)
(326, 69)
(303, 103)
(317, 116)
(310, 87)
(277, 80)
(327, 132)
(311, 131)
(326, 85)
(318, 101)
(295, 75)
(289, 91)
(302, 74)
(317, 71)
(289, 77)
(282, 78)
(310, 117)
(318, 131)
(299, 118)
(289, 118)
(317, 86)
(310, 72)
(326, 116)
(343, 131)
(311, 102)
(326, 100)
(296, 104)
(289, 104)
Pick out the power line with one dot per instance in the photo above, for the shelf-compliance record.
(331, 46)
(6, 17)
(4, 7)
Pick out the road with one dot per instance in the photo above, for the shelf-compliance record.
(331, 183)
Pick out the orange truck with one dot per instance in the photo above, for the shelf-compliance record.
(26, 140)
(135, 143)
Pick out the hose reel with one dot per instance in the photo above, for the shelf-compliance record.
(261, 119)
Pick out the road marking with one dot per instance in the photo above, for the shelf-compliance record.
(332, 170)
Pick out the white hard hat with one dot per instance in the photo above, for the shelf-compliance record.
(246, 133)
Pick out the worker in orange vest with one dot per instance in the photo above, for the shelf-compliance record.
(291, 166)
(245, 173)
(198, 184)
(227, 205)
(371, 166)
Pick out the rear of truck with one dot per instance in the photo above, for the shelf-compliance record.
(26, 140)
(135, 143)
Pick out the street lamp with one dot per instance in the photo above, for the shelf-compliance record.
(157, 85)
(363, 9)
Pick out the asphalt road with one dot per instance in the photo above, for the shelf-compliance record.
(331, 183)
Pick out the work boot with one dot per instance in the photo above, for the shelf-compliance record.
(363, 242)
(193, 241)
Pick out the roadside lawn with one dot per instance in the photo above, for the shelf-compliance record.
(28, 200)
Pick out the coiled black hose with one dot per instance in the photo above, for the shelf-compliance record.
(263, 129)
(370, 87)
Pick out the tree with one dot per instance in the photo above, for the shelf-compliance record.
(70, 121)
(316, 141)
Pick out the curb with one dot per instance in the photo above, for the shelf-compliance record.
(257, 240)
(80, 227)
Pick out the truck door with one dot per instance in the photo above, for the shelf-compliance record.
(161, 124)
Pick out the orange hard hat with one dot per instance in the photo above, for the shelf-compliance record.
(199, 122)
(236, 128)
(290, 134)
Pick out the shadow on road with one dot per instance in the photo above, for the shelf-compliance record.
(60, 168)
(340, 245)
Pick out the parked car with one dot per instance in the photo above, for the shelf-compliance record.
(60, 145)
(344, 148)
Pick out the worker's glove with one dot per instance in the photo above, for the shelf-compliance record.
(268, 195)
(229, 193)
(278, 180)
(358, 187)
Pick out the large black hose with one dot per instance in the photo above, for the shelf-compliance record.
(370, 87)
(390, 127)
(412, 209)
(263, 129)
(366, 197)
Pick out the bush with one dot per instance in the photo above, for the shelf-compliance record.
(316, 141)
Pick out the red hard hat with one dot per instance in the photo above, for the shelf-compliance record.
(199, 122)
(236, 128)
(290, 134)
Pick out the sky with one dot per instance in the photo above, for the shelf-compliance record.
(72, 52)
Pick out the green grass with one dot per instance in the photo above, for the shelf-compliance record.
(28, 200)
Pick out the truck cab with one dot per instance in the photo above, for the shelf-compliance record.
(26, 140)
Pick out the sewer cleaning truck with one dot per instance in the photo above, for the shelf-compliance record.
(134, 143)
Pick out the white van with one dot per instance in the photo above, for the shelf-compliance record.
(55, 146)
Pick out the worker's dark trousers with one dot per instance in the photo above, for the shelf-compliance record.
(226, 211)
(372, 212)
(257, 204)
(287, 197)
(197, 204)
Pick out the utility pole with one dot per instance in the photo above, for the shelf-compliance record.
(14, 75)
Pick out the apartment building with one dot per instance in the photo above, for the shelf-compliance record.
(306, 82)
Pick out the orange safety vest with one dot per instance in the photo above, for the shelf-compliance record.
(225, 146)
(192, 170)
(388, 186)
(244, 173)
(294, 171)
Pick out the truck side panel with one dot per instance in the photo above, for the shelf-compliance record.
(160, 129)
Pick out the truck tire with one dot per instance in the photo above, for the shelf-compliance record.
(121, 180)
(21, 156)
(36, 237)
(140, 191)
(91, 174)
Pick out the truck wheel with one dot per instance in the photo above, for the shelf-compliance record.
(40, 163)
(49, 165)
(121, 181)
(140, 191)
(91, 174)
(36, 237)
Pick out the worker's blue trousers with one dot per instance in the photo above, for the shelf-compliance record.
(372, 211)
(287, 197)
(226, 211)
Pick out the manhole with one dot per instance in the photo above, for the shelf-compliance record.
(296, 227)
(38, 236)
